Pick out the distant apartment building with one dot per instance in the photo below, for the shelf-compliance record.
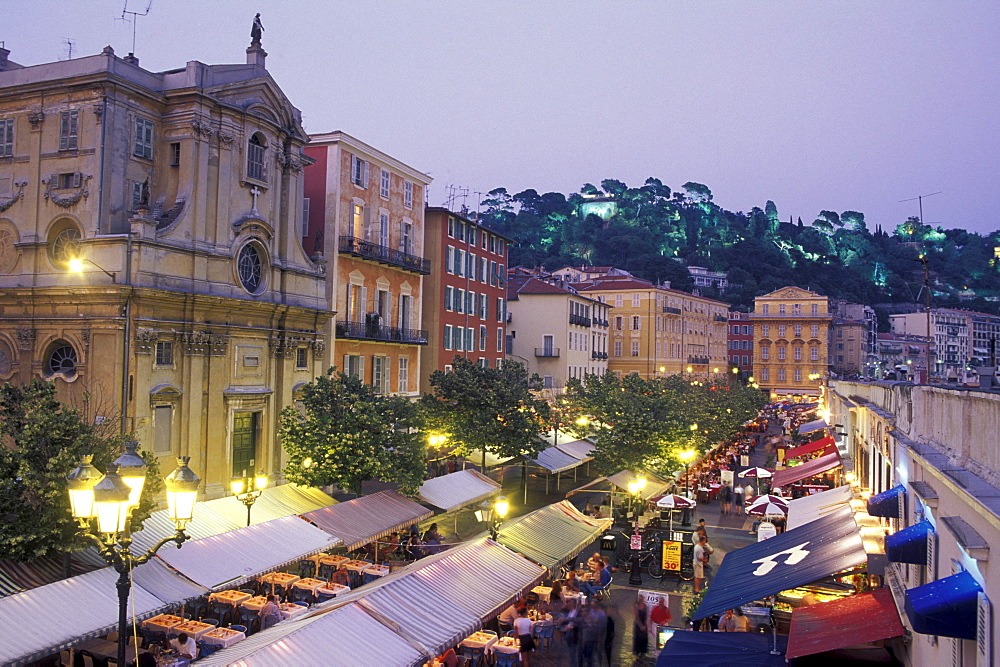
(902, 357)
(848, 347)
(985, 334)
(741, 342)
(554, 330)
(464, 297)
(951, 340)
(866, 315)
(579, 274)
(658, 331)
(366, 213)
(791, 341)
(702, 277)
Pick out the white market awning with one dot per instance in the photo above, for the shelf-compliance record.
(809, 508)
(229, 559)
(552, 535)
(555, 460)
(476, 458)
(578, 449)
(809, 427)
(362, 520)
(654, 485)
(458, 489)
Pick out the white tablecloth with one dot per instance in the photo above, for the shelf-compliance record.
(223, 637)
(480, 640)
(377, 570)
(544, 593)
(162, 623)
(335, 589)
(569, 596)
(254, 604)
(507, 645)
(194, 629)
(230, 597)
(358, 566)
(292, 610)
(280, 578)
(309, 584)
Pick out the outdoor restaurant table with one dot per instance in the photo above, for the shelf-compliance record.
(377, 571)
(162, 623)
(194, 629)
(333, 560)
(332, 589)
(290, 610)
(309, 584)
(544, 593)
(542, 618)
(283, 579)
(255, 603)
(506, 645)
(165, 659)
(483, 640)
(103, 650)
(358, 566)
(230, 597)
(223, 637)
(567, 596)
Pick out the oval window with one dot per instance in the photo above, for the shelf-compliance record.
(250, 267)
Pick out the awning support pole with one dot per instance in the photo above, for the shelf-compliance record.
(559, 479)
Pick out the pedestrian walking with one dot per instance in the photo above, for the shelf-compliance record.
(727, 499)
(700, 558)
(738, 498)
(609, 636)
(640, 629)
(569, 628)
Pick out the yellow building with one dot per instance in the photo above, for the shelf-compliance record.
(366, 209)
(657, 331)
(791, 341)
(195, 311)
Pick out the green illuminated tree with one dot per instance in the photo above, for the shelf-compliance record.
(348, 434)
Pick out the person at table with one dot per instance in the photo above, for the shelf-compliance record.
(734, 621)
(507, 617)
(270, 613)
(604, 578)
(522, 630)
(185, 646)
(432, 538)
(571, 583)
(596, 562)
(555, 597)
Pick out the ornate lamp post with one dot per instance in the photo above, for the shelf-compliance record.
(686, 457)
(102, 505)
(248, 489)
(635, 486)
(493, 514)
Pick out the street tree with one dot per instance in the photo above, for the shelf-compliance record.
(495, 410)
(43, 442)
(346, 433)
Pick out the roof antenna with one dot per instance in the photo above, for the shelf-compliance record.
(133, 20)
(69, 44)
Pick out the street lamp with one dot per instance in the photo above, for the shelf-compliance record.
(686, 457)
(493, 513)
(76, 266)
(102, 505)
(635, 576)
(248, 489)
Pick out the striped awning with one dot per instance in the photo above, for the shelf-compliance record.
(555, 460)
(457, 489)
(578, 449)
(553, 535)
(362, 520)
(16, 576)
(654, 485)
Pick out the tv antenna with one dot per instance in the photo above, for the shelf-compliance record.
(920, 200)
(69, 44)
(456, 192)
(134, 15)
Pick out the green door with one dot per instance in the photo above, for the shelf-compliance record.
(244, 442)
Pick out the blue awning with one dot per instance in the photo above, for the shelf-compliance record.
(794, 558)
(946, 607)
(712, 649)
(909, 545)
(888, 504)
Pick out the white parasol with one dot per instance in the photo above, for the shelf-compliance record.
(759, 473)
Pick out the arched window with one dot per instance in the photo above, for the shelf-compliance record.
(255, 158)
(250, 268)
(64, 242)
(61, 360)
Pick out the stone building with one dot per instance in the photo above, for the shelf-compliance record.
(194, 311)
(791, 341)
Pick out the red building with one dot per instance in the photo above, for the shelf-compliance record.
(741, 342)
(464, 297)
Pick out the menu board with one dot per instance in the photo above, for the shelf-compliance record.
(671, 556)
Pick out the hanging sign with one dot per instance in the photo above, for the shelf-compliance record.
(671, 556)
(636, 542)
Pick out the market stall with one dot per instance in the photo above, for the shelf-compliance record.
(850, 621)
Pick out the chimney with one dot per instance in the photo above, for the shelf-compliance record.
(3, 58)
(131, 59)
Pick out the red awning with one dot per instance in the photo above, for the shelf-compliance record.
(802, 450)
(807, 469)
(859, 619)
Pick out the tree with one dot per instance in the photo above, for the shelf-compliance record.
(348, 433)
(45, 440)
(488, 409)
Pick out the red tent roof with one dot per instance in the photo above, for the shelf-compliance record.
(807, 469)
(802, 450)
(859, 619)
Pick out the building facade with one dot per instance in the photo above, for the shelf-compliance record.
(950, 330)
(848, 347)
(702, 277)
(866, 315)
(656, 331)
(464, 297)
(791, 341)
(554, 330)
(366, 214)
(902, 358)
(741, 342)
(197, 311)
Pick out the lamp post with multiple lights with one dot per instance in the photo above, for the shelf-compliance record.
(635, 487)
(103, 504)
(493, 514)
(248, 489)
(686, 456)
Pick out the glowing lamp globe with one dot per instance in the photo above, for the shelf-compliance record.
(182, 492)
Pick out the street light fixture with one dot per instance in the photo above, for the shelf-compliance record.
(248, 489)
(685, 458)
(635, 575)
(494, 514)
(102, 506)
(76, 266)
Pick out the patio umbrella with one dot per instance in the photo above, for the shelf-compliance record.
(767, 505)
(672, 502)
(759, 473)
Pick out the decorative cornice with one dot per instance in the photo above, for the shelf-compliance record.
(144, 341)
(319, 345)
(25, 338)
(203, 343)
(293, 163)
(36, 118)
(7, 202)
(202, 128)
(226, 138)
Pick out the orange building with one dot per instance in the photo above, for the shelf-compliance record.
(791, 328)
(366, 215)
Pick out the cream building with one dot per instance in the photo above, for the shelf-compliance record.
(197, 311)
(656, 331)
(791, 341)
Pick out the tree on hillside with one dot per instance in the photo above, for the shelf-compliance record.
(44, 442)
(347, 434)
(494, 410)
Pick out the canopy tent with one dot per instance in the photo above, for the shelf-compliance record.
(713, 649)
(457, 489)
(555, 460)
(809, 427)
(946, 607)
(859, 619)
(809, 508)
(476, 457)
(578, 449)
(16, 576)
(654, 485)
(809, 447)
(222, 515)
(552, 535)
(793, 558)
(166, 583)
(888, 504)
(362, 520)
(229, 559)
(806, 470)
(362, 639)
(47, 619)
(909, 545)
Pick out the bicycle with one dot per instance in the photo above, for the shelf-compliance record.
(649, 558)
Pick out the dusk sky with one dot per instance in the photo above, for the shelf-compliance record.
(815, 105)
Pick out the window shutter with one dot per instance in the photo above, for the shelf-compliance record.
(386, 386)
(77, 179)
(365, 178)
(346, 369)
(388, 309)
(363, 306)
(984, 632)
(366, 217)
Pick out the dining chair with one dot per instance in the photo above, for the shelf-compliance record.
(112, 636)
(327, 571)
(473, 654)
(238, 628)
(307, 569)
(299, 595)
(88, 661)
(211, 621)
(248, 591)
(324, 597)
(66, 658)
(507, 659)
(209, 649)
(341, 577)
(222, 610)
(302, 604)
(543, 632)
(151, 637)
(247, 618)
(197, 607)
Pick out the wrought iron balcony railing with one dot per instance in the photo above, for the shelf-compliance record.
(368, 250)
(373, 330)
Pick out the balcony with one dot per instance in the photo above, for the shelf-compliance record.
(671, 310)
(579, 320)
(546, 351)
(721, 318)
(698, 360)
(601, 323)
(384, 255)
(781, 316)
(599, 356)
(373, 330)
